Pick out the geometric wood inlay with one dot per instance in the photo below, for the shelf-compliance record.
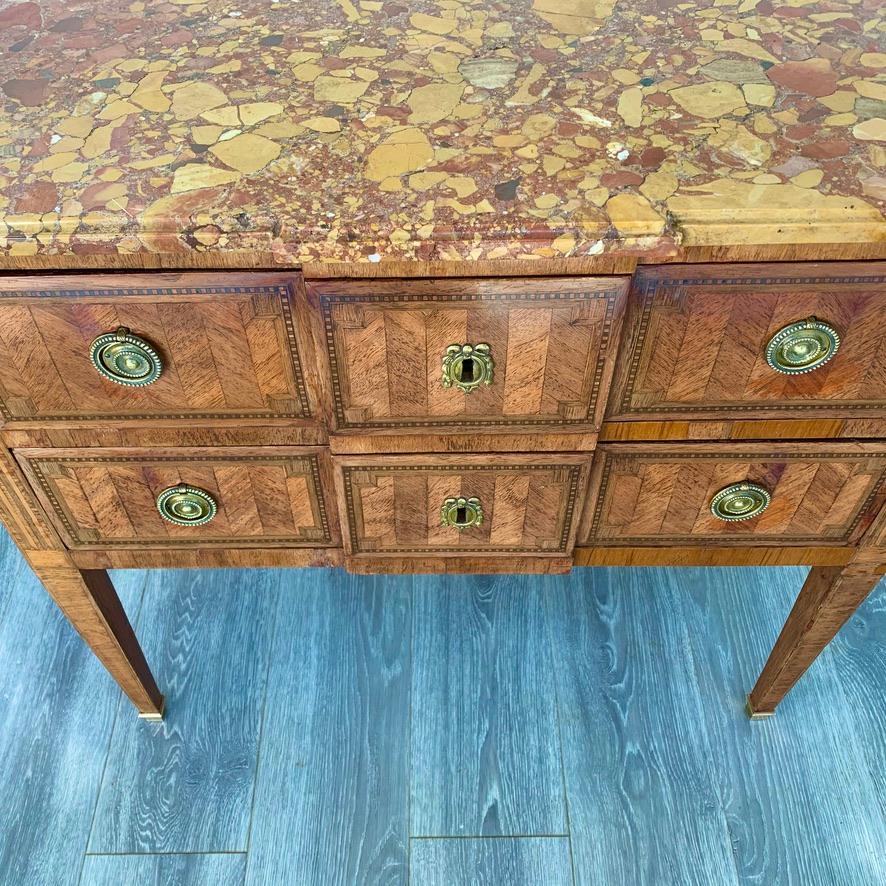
(394, 505)
(697, 339)
(552, 342)
(102, 498)
(653, 494)
(228, 345)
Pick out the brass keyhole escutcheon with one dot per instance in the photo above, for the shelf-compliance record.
(740, 501)
(125, 359)
(461, 513)
(186, 505)
(802, 347)
(466, 367)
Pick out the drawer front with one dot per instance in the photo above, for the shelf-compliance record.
(226, 343)
(396, 504)
(108, 498)
(662, 494)
(698, 336)
(549, 360)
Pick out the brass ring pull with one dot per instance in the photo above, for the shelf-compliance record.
(186, 505)
(802, 347)
(740, 501)
(125, 358)
(461, 513)
(467, 367)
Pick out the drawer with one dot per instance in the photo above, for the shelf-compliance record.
(110, 498)
(469, 353)
(504, 504)
(665, 494)
(697, 340)
(226, 345)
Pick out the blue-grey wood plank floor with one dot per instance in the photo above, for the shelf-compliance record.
(440, 731)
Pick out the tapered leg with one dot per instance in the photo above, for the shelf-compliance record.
(88, 600)
(830, 595)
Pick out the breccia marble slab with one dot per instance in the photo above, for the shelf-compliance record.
(366, 130)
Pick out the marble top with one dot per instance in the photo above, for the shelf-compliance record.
(365, 130)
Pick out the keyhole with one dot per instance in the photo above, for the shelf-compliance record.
(461, 515)
(467, 369)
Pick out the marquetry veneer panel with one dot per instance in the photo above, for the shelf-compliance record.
(661, 494)
(106, 498)
(393, 503)
(697, 335)
(228, 342)
(553, 343)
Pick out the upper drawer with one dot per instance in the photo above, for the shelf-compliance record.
(254, 497)
(226, 346)
(490, 353)
(752, 493)
(698, 338)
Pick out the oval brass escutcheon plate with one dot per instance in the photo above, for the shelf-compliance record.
(740, 501)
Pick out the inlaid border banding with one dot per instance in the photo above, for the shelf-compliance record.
(308, 462)
(742, 540)
(575, 474)
(329, 300)
(282, 291)
(651, 286)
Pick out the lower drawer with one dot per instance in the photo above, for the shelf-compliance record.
(762, 493)
(461, 505)
(230, 497)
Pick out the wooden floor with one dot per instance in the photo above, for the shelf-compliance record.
(341, 731)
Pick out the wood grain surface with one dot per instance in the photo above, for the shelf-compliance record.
(57, 710)
(827, 599)
(203, 756)
(750, 429)
(478, 671)
(552, 342)
(658, 662)
(535, 860)
(331, 803)
(363, 564)
(228, 558)
(106, 498)
(696, 341)
(89, 601)
(394, 442)
(392, 504)
(640, 811)
(790, 784)
(661, 493)
(858, 652)
(164, 870)
(228, 343)
(713, 555)
(189, 433)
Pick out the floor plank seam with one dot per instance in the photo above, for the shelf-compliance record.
(171, 853)
(836, 661)
(21, 572)
(551, 659)
(261, 725)
(687, 645)
(136, 621)
(801, 798)
(409, 772)
(489, 836)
